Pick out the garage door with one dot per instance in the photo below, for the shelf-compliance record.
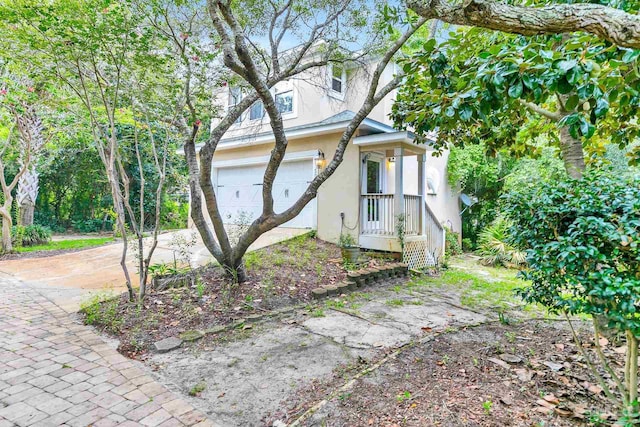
(239, 191)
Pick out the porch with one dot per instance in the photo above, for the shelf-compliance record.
(392, 218)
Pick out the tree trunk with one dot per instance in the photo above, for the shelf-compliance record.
(7, 245)
(572, 153)
(27, 210)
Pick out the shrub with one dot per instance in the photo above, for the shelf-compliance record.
(584, 258)
(467, 245)
(30, 235)
(452, 243)
(495, 247)
(92, 225)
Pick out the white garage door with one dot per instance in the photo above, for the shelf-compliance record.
(239, 191)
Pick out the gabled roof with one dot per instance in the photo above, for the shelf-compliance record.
(330, 124)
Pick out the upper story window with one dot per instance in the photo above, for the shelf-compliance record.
(338, 79)
(284, 102)
(256, 112)
(235, 96)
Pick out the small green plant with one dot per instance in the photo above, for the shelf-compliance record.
(346, 241)
(404, 396)
(200, 288)
(197, 389)
(395, 302)
(102, 310)
(344, 396)
(496, 248)
(486, 405)
(317, 313)
(510, 336)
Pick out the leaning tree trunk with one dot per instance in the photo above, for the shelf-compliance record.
(27, 195)
(5, 213)
(572, 153)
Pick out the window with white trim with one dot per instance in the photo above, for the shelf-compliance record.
(284, 102)
(256, 112)
(338, 78)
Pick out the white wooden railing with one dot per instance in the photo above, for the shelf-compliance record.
(377, 214)
(412, 215)
(434, 233)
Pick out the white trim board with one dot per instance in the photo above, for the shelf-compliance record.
(258, 160)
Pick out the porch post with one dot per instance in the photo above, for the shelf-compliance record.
(398, 198)
(422, 191)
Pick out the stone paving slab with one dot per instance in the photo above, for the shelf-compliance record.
(55, 371)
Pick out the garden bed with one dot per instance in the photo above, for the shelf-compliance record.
(279, 276)
(527, 374)
(58, 247)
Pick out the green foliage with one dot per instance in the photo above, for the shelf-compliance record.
(487, 86)
(102, 311)
(30, 235)
(494, 245)
(452, 243)
(583, 249)
(583, 245)
(346, 240)
(481, 176)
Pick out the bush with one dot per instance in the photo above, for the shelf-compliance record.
(30, 235)
(495, 247)
(452, 243)
(583, 240)
(92, 225)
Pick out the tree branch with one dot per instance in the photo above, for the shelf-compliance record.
(553, 116)
(614, 25)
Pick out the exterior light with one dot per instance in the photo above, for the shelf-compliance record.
(320, 160)
(392, 159)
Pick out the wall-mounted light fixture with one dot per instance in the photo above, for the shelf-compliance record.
(320, 160)
(392, 159)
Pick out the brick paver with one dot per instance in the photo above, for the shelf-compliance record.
(55, 371)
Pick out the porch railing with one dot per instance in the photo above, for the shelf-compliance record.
(412, 225)
(378, 214)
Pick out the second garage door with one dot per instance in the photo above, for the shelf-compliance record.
(239, 191)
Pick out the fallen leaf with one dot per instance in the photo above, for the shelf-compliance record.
(551, 399)
(546, 404)
(427, 328)
(553, 366)
(563, 412)
(595, 389)
(499, 362)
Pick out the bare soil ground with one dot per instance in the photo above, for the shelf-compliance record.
(525, 374)
(281, 275)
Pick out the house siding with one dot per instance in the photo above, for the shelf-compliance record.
(339, 193)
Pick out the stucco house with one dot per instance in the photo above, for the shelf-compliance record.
(384, 174)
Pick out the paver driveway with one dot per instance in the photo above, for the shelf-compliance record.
(55, 371)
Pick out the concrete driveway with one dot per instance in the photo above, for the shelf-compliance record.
(69, 278)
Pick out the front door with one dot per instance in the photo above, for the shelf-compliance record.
(372, 184)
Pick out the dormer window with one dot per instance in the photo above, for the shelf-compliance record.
(284, 102)
(256, 112)
(338, 79)
(235, 96)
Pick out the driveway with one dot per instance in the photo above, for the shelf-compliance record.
(54, 371)
(70, 278)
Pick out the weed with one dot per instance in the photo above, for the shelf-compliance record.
(197, 389)
(317, 313)
(65, 366)
(395, 302)
(335, 304)
(200, 288)
(405, 395)
(486, 405)
(510, 336)
(101, 310)
(344, 396)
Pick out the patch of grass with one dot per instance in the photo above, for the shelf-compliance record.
(67, 245)
(395, 302)
(197, 389)
(496, 290)
(102, 310)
